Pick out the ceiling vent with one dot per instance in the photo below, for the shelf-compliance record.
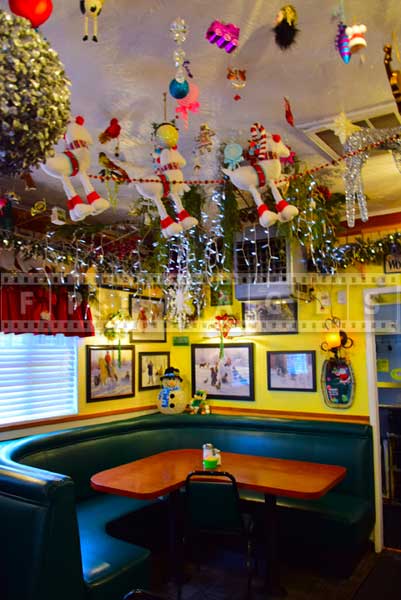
(322, 135)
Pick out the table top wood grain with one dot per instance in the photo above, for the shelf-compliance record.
(165, 472)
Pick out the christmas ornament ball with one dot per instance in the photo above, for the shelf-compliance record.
(167, 135)
(36, 11)
(178, 89)
(34, 96)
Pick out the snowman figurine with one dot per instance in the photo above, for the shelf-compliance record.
(172, 398)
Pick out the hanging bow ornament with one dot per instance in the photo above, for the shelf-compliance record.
(223, 324)
(223, 35)
(92, 9)
(285, 29)
(189, 103)
(36, 11)
(342, 43)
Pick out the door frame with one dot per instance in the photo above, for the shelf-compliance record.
(374, 403)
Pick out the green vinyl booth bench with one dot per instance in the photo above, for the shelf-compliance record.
(53, 524)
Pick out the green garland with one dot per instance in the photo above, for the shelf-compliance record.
(366, 251)
(229, 224)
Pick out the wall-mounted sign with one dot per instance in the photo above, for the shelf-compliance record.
(180, 340)
(338, 383)
(392, 263)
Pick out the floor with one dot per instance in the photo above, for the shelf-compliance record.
(221, 575)
(221, 580)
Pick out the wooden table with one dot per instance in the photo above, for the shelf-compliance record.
(165, 473)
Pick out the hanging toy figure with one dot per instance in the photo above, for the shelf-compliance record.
(92, 9)
(264, 168)
(285, 29)
(112, 132)
(204, 139)
(75, 160)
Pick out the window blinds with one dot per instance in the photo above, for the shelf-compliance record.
(38, 377)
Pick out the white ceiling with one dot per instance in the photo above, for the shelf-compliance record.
(125, 74)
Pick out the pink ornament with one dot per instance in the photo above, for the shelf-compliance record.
(223, 35)
(189, 103)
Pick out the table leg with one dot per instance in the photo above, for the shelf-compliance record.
(273, 587)
(175, 537)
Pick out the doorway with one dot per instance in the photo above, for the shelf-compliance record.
(383, 355)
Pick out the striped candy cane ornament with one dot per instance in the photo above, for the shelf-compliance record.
(259, 141)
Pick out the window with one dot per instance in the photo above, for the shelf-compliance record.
(38, 377)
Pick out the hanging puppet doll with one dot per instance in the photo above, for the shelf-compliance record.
(92, 9)
(285, 29)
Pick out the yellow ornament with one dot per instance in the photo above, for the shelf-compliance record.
(167, 134)
(343, 127)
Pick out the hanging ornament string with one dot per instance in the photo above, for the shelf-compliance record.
(299, 175)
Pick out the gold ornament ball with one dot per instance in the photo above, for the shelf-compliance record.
(167, 135)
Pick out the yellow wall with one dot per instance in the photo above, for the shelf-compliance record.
(311, 318)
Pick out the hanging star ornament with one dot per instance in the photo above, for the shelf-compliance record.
(343, 127)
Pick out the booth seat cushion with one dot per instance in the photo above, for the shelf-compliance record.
(110, 566)
(334, 517)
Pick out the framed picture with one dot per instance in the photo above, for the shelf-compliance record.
(227, 378)
(110, 372)
(148, 317)
(271, 316)
(221, 294)
(292, 370)
(151, 366)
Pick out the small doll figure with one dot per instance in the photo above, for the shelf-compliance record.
(285, 29)
(91, 8)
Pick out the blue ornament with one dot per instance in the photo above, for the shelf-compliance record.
(178, 89)
(233, 155)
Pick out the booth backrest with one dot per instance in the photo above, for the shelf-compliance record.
(81, 452)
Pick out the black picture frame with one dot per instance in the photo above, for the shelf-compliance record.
(105, 378)
(229, 379)
(271, 316)
(221, 294)
(147, 314)
(291, 371)
(150, 380)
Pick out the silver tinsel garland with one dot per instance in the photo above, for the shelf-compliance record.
(34, 96)
(363, 142)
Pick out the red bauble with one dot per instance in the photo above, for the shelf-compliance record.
(36, 11)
